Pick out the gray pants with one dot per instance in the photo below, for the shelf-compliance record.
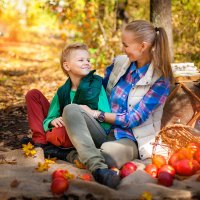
(94, 147)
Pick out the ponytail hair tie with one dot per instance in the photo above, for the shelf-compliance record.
(156, 29)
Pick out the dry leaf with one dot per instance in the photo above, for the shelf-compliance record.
(50, 160)
(28, 149)
(146, 196)
(79, 164)
(42, 167)
(3, 160)
(14, 183)
(85, 177)
(69, 176)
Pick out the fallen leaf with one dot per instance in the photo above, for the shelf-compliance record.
(146, 196)
(85, 177)
(69, 176)
(42, 167)
(50, 160)
(14, 183)
(79, 164)
(28, 149)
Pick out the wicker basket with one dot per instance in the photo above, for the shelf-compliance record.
(172, 138)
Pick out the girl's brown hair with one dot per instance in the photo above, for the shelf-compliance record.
(65, 55)
(144, 31)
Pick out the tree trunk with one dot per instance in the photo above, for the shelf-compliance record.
(160, 15)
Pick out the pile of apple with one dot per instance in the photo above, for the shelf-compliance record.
(184, 162)
(61, 177)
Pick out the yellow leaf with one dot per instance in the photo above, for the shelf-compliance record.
(28, 146)
(79, 164)
(146, 196)
(50, 160)
(68, 175)
(29, 149)
(42, 167)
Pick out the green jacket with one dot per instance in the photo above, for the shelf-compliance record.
(90, 92)
(87, 92)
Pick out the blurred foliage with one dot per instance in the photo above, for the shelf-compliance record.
(186, 30)
(98, 23)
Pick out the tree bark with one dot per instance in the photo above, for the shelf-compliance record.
(160, 15)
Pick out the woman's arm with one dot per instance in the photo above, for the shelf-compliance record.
(155, 97)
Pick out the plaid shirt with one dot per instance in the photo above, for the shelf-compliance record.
(126, 120)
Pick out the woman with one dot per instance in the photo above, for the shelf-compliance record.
(137, 85)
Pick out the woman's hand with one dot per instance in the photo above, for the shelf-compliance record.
(58, 122)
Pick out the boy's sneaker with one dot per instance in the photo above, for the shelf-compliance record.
(107, 177)
(51, 151)
(26, 140)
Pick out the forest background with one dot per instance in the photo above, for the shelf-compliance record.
(33, 33)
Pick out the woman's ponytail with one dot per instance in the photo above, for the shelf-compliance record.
(160, 53)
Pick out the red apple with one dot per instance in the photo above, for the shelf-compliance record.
(181, 154)
(174, 157)
(59, 173)
(193, 146)
(127, 169)
(59, 185)
(165, 178)
(158, 160)
(197, 155)
(196, 166)
(152, 170)
(167, 168)
(184, 167)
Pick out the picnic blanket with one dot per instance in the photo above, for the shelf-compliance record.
(19, 180)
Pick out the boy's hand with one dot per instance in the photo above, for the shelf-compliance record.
(58, 122)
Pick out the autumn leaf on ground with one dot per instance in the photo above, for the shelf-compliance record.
(146, 196)
(42, 167)
(79, 164)
(50, 160)
(28, 149)
(4, 160)
(69, 176)
(14, 183)
(85, 177)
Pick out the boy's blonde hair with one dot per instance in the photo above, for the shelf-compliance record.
(67, 51)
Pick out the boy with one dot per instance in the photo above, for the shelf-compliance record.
(82, 87)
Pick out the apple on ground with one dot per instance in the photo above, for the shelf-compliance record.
(184, 167)
(152, 170)
(127, 169)
(167, 168)
(59, 185)
(158, 160)
(196, 166)
(59, 173)
(165, 178)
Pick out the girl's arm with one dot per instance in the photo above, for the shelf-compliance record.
(155, 97)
